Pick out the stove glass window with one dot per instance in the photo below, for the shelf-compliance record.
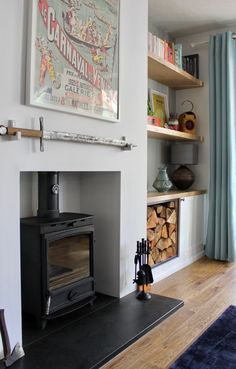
(68, 260)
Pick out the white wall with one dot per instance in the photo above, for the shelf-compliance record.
(24, 155)
(200, 99)
(69, 194)
(100, 196)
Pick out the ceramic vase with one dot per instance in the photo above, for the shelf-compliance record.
(162, 182)
(183, 177)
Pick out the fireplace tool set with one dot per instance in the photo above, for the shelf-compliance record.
(143, 272)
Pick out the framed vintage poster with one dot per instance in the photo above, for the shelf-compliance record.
(74, 57)
(159, 106)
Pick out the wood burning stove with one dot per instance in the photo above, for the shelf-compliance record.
(56, 257)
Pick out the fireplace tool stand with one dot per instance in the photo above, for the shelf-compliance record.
(143, 276)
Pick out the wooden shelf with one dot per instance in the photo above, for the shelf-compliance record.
(157, 197)
(169, 74)
(171, 135)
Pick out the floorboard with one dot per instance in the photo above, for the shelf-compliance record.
(207, 288)
(148, 341)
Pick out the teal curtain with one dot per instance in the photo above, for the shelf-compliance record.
(221, 233)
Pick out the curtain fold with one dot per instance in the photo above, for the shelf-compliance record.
(221, 232)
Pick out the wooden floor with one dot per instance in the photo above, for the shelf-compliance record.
(207, 288)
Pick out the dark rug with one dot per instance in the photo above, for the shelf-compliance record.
(215, 348)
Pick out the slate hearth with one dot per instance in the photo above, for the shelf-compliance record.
(90, 337)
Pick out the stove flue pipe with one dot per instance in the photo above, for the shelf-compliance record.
(48, 195)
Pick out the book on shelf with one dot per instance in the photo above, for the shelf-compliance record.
(150, 42)
(178, 55)
(166, 50)
(191, 64)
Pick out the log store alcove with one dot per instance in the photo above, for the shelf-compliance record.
(162, 231)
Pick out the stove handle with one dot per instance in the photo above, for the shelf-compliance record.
(72, 295)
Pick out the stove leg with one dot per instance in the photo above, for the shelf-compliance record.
(41, 323)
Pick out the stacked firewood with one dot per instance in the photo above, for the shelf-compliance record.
(162, 231)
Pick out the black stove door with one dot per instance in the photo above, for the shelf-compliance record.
(68, 267)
